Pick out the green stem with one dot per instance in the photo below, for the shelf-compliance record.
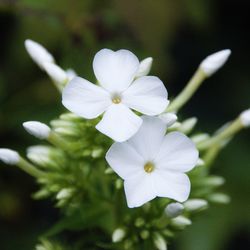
(29, 168)
(58, 141)
(228, 132)
(194, 83)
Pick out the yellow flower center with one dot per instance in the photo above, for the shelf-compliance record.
(116, 99)
(149, 167)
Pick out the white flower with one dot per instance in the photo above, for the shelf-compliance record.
(9, 156)
(144, 67)
(154, 164)
(215, 61)
(245, 118)
(117, 94)
(37, 129)
(38, 53)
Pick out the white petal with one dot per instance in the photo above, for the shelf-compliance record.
(38, 53)
(115, 70)
(139, 190)
(171, 185)
(144, 67)
(124, 160)
(168, 118)
(178, 153)
(147, 141)
(119, 123)
(147, 95)
(85, 99)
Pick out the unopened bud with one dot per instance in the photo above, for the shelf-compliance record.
(38, 53)
(160, 242)
(174, 209)
(215, 61)
(168, 118)
(70, 74)
(57, 74)
(64, 193)
(200, 138)
(181, 222)
(37, 129)
(144, 67)
(118, 235)
(195, 205)
(188, 125)
(219, 198)
(9, 156)
(245, 118)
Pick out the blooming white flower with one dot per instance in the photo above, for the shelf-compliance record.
(37, 129)
(38, 53)
(215, 61)
(9, 156)
(245, 118)
(118, 93)
(144, 67)
(154, 164)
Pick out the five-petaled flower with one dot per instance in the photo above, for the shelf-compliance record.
(121, 89)
(154, 164)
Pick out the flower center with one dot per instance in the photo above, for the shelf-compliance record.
(149, 167)
(116, 99)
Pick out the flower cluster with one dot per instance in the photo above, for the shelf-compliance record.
(124, 132)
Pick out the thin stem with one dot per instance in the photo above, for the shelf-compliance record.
(58, 141)
(194, 83)
(29, 168)
(228, 132)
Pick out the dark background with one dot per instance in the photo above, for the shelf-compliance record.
(178, 34)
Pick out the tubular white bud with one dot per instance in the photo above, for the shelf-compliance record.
(174, 209)
(144, 67)
(160, 242)
(195, 204)
(38, 53)
(188, 125)
(219, 198)
(181, 222)
(57, 74)
(214, 62)
(245, 118)
(200, 137)
(37, 129)
(71, 74)
(168, 118)
(200, 162)
(118, 235)
(9, 156)
(64, 193)
(40, 155)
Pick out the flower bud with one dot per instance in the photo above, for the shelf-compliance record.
(64, 193)
(37, 129)
(200, 138)
(118, 235)
(219, 198)
(38, 53)
(160, 242)
(181, 222)
(245, 118)
(70, 74)
(188, 125)
(215, 61)
(174, 209)
(168, 118)
(144, 67)
(57, 74)
(9, 156)
(195, 205)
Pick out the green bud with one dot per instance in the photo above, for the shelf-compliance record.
(144, 234)
(139, 222)
(118, 183)
(219, 198)
(118, 235)
(200, 138)
(159, 242)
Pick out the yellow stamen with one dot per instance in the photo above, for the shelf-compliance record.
(149, 167)
(116, 99)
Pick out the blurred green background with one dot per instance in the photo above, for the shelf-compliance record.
(178, 34)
